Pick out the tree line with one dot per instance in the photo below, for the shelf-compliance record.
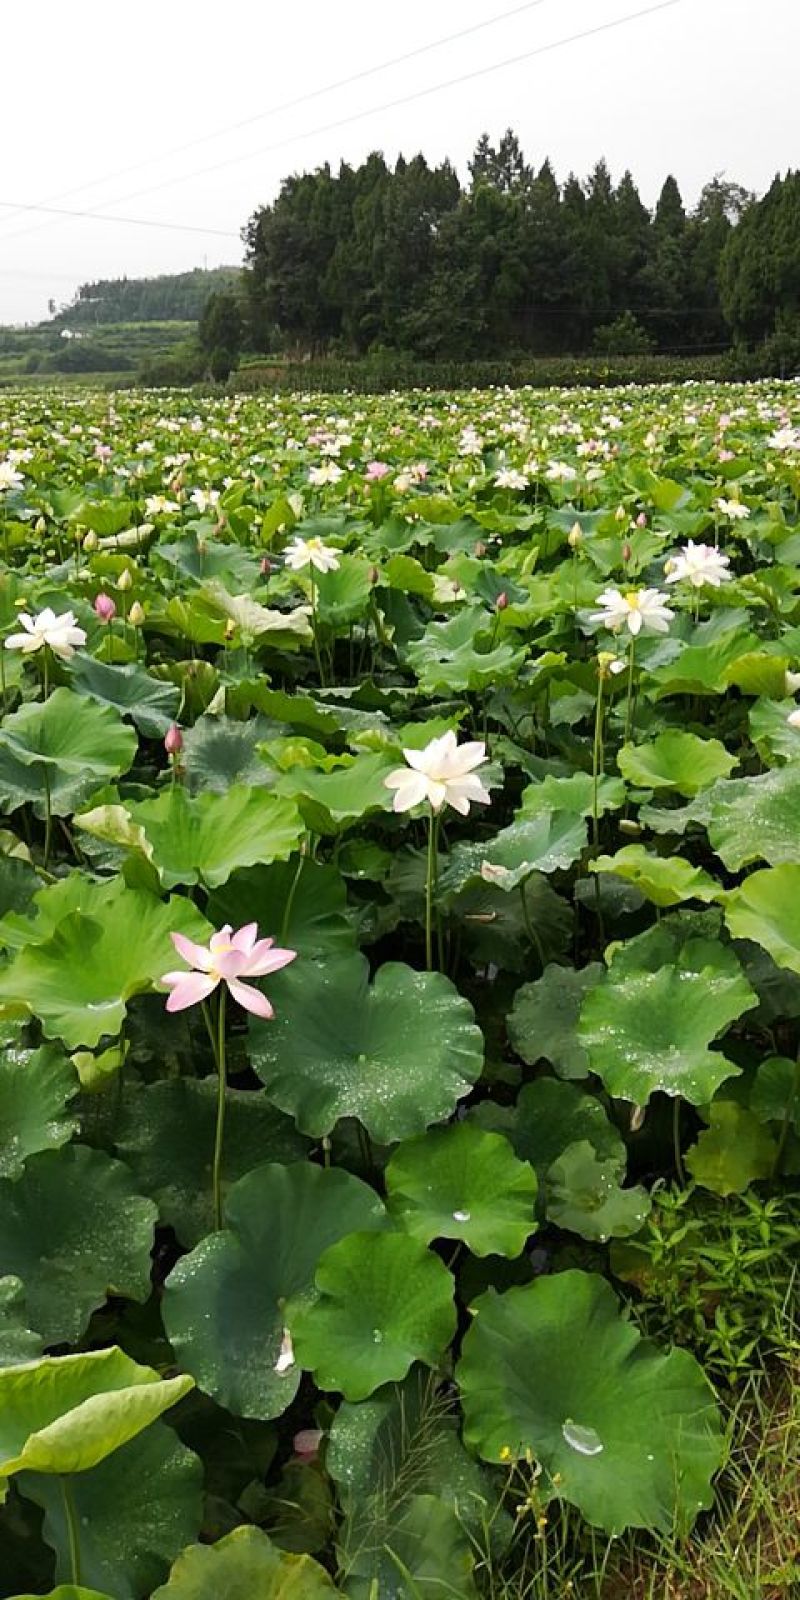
(406, 259)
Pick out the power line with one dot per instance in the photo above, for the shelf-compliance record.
(136, 222)
(286, 105)
(359, 116)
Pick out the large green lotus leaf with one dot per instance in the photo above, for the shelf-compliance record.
(66, 1591)
(584, 1195)
(398, 1053)
(65, 1414)
(405, 1436)
(575, 793)
(165, 1133)
(219, 753)
(331, 802)
(550, 1115)
(134, 1512)
(67, 745)
(225, 1304)
(343, 595)
(78, 981)
(384, 1302)
(550, 842)
(204, 839)
(17, 1343)
(35, 1089)
(301, 902)
(626, 1432)
(702, 668)
(675, 760)
(733, 1152)
(647, 1030)
(495, 930)
(74, 1230)
(461, 1182)
(543, 1024)
(772, 734)
(766, 909)
(755, 819)
(149, 702)
(448, 657)
(245, 1565)
(774, 1097)
(419, 1551)
(665, 880)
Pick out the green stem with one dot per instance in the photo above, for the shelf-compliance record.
(287, 910)
(598, 760)
(45, 673)
(629, 707)
(220, 1129)
(529, 928)
(48, 816)
(73, 1531)
(430, 880)
(317, 655)
(676, 1140)
(787, 1120)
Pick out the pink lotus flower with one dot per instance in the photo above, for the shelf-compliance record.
(105, 608)
(227, 959)
(173, 740)
(376, 470)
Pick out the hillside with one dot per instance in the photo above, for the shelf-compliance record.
(171, 297)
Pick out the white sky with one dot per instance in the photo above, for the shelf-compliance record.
(92, 88)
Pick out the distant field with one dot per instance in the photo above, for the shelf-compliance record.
(30, 354)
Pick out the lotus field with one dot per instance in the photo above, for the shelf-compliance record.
(400, 924)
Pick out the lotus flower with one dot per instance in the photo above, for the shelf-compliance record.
(228, 958)
(443, 774)
(310, 553)
(637, 610)
(699, 564)
(61, 633)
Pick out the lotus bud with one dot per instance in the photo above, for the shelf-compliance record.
(124, 580)
(91, 541)
(173, 740)
(39, 525)
(627, 825)
(641, 520)
(265, 567)
(105, 608)
(501, 602)
(230, 628)
(626, 551)
(374, 575)
(136, 614)
(621, 514)
(575, 536)
(306, 1444)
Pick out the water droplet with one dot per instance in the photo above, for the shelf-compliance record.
(461, 1216)
(584, 1440)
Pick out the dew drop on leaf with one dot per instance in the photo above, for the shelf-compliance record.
(584, 1440)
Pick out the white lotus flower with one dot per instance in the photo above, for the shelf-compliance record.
(329, 473)
(443, 774)
(159, 505)
(733, 509)
(310, 553)
(636, 610)
(699, 564)
(509, 478)
(60, 633)
(204, 499)
(560, 472)
(785, 439)
(10, 478)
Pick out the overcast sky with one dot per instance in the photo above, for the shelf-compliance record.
(98, 100)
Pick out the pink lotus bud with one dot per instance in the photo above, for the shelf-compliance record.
(173, 741)
(641, 520)
(501, 602)
(626, 551)
(306, 1444)
(266, 567)
(105, 608)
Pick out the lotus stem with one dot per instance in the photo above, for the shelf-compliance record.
(217, 1038)
(287, 910)
(787, 1119)
(430, 882)
(529, 928)
(629, 707)
(676, 1141)
(314, 620)
(48, 816)
(73, 1531)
